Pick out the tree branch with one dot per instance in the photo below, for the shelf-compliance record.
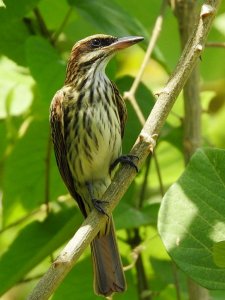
(143, 146)
(186, 13)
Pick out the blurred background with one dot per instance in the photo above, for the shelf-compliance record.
(37, 216)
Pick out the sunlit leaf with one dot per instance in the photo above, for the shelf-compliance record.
(15, 89)
(35, 242)
(25, 173)
(192, 217)
(219, 254)
(2, 4)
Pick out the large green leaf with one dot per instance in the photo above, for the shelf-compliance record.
(109, 16)
(13, 41)
(16, 10)
(35, 242)
(13, 31)
(25, 173)
(46, 66)
(126, 216)
(192, 218)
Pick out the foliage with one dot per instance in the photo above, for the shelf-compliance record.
(36, 37)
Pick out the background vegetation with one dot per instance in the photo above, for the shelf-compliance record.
(38, 216)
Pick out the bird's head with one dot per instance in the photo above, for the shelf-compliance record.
(96, 50)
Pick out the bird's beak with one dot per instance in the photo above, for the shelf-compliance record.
(125, 42)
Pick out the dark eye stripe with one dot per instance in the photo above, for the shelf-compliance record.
(96, 43)
(102, 42)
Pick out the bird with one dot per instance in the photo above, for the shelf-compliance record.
(87, 120)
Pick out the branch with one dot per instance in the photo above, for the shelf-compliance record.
(143, 146)
(185, 12)
(43, 27)
(215, 44)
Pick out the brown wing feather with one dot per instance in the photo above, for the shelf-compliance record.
(56, 116)
(122, 110)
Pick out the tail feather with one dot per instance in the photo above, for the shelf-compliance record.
(108, 270)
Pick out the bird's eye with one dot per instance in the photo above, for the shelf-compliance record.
(96, 43)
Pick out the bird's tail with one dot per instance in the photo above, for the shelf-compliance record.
(108, 270)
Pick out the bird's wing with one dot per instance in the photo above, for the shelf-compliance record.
(122, 110)
(56, 122)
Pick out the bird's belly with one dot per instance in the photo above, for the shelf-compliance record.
(107, 150)
(96, 146)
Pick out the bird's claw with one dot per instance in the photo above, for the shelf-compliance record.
(98, 206)
(125, 159)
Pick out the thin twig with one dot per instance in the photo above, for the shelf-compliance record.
(176, 281)
(130, 95)
(136, 107)
(134, 254)
(143, 146)
(158, 174)
(215, 44)
(145, 182)
(142, 282)
(155, 34)
(41, 22)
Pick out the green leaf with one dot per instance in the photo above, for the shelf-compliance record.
(16, 10)
(3, 145)
(75, 284)
(219, 254)
(163, 272)
(126, 216)
(2, 4)
(25, 181)
(109, 16)
(192, 218)
(13, 41)
(80, 282)
(35, 242)
(15, 89)
(52, 20)
(46, 66)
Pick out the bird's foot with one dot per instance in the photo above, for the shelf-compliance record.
(98, 206)
(125, 159)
